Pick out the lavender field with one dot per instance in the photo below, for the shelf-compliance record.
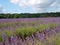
(30, 31)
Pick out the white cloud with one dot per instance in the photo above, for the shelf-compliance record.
(23, 3)
(39, 5)
(1, 8)
(14, 1)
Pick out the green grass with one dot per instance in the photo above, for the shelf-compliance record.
(41, 27)
(52, 25)
(7, 24)
(1, 38)
(8, 33)
(27, 30)
(57, 38)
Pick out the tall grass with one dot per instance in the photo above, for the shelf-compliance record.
(57, 38)
(25, 31)
(28, 31)
(1, 38)
(9, 33)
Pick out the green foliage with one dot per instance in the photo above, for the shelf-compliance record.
(52, 25)
(1, 38)
(42, 27)
(3, 25)
(23, 23)
(28, 15)
(7, 24)
(8, 33)
(25, 31)
(57, 38)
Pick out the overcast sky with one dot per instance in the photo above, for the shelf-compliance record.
(29, 6)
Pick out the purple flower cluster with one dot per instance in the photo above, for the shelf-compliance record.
(38, 38)
(29, 40)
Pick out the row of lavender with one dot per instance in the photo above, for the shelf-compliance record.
(40, 38)
(45, 36)
(12, 24)
(53, 19)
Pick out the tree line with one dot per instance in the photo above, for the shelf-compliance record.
(29, 15)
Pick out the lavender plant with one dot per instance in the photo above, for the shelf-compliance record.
(30, 31)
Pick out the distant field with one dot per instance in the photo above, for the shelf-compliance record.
(30, 31)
